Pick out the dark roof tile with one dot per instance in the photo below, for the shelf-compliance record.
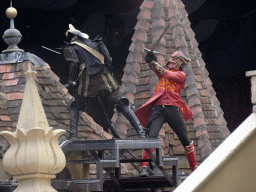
(3, 112)
(13, 89)
(156, 22)
(158, 12)
(147, 4)
(65, 115)
(172, 12)
(52, 122)
(181, 42)
(5, 124)
(199, 78)
(211, 90)
(46, 95)
(197, 110)
(59, 102)
(203, 93)
(132, 78)
(14, 110)
(57, 115)
(44, 81)
(66, 122)
(53, 89)
(14, 103)
(209, 114)
(50, 116)
(85, 129)
(52, 103)
(64, 89)
(144, 81)
(42, 74)
(207, 107)
(215, 135)
(171, 3)
(186, 21)
(55, 76)
(215, 101)
(142, 25)
(21, 80)
(14, 117)
(56, 95)
(193, 101)
(139, 36)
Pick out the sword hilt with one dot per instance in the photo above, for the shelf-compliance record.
(155, 52)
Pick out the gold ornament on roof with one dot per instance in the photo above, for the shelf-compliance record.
(11, 12)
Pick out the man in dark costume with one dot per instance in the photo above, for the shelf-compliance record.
(166, 104)
(91, 82)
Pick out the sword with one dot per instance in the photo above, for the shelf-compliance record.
(158, 40)
(51, 50)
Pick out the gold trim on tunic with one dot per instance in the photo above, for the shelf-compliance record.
(92, 51)
(106, 82)
(112, 81)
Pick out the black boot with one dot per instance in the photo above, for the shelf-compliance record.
(74, 118)
(124, 108)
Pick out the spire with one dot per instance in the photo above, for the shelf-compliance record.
(12, 36)
(31, 113)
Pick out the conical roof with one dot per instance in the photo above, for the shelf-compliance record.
(208, 127)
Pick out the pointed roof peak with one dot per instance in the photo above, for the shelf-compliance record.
(30, 72)
(32, 113)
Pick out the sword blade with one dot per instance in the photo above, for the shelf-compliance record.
(161, 36)
(51, 50)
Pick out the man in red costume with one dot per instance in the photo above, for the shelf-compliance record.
(166, 104)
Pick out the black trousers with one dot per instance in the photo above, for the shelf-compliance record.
(171, 115)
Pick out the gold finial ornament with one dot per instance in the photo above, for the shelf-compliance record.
(11, 12)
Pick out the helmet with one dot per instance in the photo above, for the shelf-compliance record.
(176, 60)
(76, 32)
(180, 55)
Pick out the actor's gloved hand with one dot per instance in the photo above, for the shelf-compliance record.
(71, 86)
(72, 83)
(149, 57)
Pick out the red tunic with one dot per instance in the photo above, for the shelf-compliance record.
(167, 92)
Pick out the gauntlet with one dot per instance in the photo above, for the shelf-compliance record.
(159, 69)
